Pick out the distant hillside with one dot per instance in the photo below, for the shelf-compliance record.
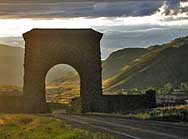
(69, 76)
(158, 66)
(11, 65)
(64, 88)
(12, 70)
(60, 73)
(119, 59)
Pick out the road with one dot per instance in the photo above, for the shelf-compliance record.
(129, 129)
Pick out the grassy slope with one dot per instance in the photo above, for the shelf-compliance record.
(170, 114)
(62, 90)
(162, 64)
(37, 127)
(129, 71)
(7, 89)
(119, 59)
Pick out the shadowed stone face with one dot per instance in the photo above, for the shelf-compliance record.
(45, 48)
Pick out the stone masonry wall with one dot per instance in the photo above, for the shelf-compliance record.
(126, 103)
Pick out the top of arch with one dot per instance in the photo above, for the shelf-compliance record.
(61, 32)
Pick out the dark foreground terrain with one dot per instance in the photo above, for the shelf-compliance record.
(129, 129)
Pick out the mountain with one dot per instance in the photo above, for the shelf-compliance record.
(119, 59)
(12, 70)
(167, 63)
(69, 76)
(11, 65)
(60, 73)
(64, 88)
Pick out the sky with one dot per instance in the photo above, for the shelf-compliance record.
(125, 24)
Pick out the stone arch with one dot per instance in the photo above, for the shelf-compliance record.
(45, 48)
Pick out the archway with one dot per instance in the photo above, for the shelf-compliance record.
(45, 48)
(62, 87)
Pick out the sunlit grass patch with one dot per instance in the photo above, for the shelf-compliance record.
(170, 114)
(19, 126)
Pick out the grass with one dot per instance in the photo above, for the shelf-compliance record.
(132, 69)
(170, 114)
(10, 89)
(63, 92)
(57, 106)
(19, 126)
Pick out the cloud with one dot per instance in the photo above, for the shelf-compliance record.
(119, 37)
(77, 9)
(91, 9)
(53, 1)
(115, 40)
(173, 7)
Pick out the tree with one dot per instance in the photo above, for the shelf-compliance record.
(168, 88)
(183, 86)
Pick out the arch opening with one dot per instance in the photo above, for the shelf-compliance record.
(62, 84)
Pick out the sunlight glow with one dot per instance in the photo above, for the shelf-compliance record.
(183, 4)
(16, 27)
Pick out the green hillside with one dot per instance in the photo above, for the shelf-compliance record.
(63, 89)
(119, 59)
(167, 63)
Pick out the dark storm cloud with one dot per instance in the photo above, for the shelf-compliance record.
(52, 1)
(77, 9)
